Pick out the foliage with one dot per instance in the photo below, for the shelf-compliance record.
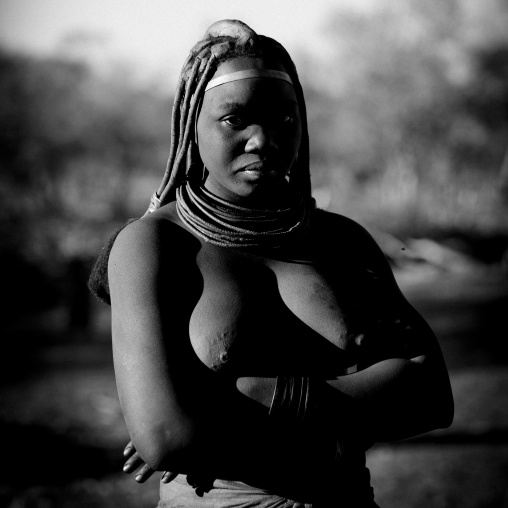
(71, 144)
(414, 119)
(408, 123)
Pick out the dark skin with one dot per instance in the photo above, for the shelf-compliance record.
(200, 332)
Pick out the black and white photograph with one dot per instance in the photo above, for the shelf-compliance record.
(255, 254)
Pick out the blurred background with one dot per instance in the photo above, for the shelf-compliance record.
(408, 116)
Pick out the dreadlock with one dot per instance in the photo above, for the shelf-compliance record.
(223, 41)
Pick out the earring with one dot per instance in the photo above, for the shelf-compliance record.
(295, 162)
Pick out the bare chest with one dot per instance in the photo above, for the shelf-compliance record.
(259, 316)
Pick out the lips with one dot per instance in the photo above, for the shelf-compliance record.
(254, 163)
(256, 167)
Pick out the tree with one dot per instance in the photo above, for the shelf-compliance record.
(417, 101)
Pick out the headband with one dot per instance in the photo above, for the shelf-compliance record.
(246, 74)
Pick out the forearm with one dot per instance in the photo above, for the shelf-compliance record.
(188, 419)
(392, 399)
(235, 438)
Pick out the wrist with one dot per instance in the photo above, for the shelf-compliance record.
(292, 398)
(301, 401)
(260, 389)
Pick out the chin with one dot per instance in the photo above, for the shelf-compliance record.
(259, 195)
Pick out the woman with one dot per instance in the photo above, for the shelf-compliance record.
(260, 345)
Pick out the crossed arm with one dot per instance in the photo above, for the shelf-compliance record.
(178, 413)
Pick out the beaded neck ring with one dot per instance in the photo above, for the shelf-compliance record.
(228, 225)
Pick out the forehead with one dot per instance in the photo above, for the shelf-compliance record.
(258, 91)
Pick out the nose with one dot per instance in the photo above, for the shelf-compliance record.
(261, 139)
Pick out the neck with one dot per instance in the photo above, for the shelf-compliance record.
(276, 199)
(242, 224)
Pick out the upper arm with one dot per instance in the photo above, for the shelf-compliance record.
(402, 331)
(395, 329)
(151, 307)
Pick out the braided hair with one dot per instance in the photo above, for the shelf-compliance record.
(223, 41)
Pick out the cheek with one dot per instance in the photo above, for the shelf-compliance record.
(205, 152)
(208, 150)
(215, 148)
(292, 142)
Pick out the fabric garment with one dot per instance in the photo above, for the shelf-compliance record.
(235, 494)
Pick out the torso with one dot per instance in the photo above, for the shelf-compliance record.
(266, 313)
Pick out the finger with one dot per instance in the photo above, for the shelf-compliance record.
(129, 449)
(168, 477)
(144, 473)
(132, 463)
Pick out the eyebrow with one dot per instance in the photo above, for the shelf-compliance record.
(231, 105)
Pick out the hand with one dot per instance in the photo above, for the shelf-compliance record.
(145, 471)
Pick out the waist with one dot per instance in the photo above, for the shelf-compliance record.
(344, 488)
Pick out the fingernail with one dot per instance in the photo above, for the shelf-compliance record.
(126, 467)
(127, 450)
(165, 479)
(138, 477)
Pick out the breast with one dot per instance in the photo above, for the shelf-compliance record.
(260, 318)
(231, 312)
(324, 303)
(219, 323)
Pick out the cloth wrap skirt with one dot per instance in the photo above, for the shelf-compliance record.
(353, 492)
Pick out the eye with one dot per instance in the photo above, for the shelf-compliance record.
(284, 120)
(287, 119)
(235, 121)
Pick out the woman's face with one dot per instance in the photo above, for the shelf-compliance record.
(249, 133)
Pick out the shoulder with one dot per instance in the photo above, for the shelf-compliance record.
(335, 233)
(159, 230)
(336, 222)
(149, 244)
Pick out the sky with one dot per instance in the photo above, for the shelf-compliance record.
(155, 36)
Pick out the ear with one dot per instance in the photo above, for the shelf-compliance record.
(292, 169)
